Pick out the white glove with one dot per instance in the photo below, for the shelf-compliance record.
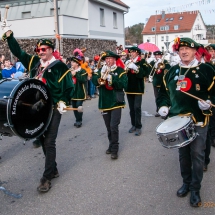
(163, 111)
(127, 62)
(104, 68)
(109, 78)
(204, 105)
(150, 79)
(96, 70)
(132, 66)
(61, 105)
(4, 26)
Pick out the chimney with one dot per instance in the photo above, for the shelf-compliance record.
(163, 14)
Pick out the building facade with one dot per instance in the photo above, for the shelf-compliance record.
(164, 28)
(84, 19)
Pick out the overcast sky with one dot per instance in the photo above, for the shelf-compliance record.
(140, 10)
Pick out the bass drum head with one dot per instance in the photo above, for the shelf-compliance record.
(173, 124)
(30, 109)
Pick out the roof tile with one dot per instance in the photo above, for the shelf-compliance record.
(185, 24)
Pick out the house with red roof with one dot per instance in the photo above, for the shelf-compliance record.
(162, 29)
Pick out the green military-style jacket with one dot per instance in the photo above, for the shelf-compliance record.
(80, 92)
(108, 97)
(136, 79)
(58, 78)
(159, 73)
(201, 83)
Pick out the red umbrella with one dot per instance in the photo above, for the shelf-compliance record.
(148, 47)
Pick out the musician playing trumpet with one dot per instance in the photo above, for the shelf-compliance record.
(137, 69)
(159, 67)
(111, 79)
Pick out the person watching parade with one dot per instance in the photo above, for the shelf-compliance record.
(111, 80)
(197, 79)
(44, 66)
(159, 67)
(136, 69)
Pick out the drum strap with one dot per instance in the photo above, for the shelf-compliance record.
(41, 72)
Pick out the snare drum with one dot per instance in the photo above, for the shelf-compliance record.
(18, 115)
(176, 132)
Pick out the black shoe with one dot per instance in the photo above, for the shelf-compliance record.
(195, 199)
(45, 185)
(56, 174)
(205, 168)
(138, 132)
(108, 151)
(114, 155)
(78, 124)
(132, 129)
(37, 143)
(213, 142)
(183, 191)
(157, 115)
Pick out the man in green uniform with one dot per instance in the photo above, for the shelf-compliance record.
(136, 69)
(197, 79)
(159, 68)
(79, 77)
(111, 80)
(55, 74)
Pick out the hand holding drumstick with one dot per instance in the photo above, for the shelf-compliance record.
(203, 105)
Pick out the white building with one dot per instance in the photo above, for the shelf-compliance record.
(164, 28)
(102, 19)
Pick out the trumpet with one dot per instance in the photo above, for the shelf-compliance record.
(102, 80)
(127, 66)
(160, 65)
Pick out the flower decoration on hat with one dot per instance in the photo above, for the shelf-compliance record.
(176, 44)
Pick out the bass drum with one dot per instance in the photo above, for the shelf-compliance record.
(25, 108)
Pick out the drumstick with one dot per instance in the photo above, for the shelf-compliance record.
(6, 11)
(79, 109)
(195, 97)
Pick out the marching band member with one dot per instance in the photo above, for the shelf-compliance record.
(211, 50)
(79, 76)
(198, 79)
(159, 68)
(137, 69)
(204, 56)
(55, 74)
(111, 80)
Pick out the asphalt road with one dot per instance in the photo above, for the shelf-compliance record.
(143, 181)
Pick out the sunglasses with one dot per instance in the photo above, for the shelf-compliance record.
(41, 49)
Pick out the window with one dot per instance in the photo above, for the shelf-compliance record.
(162, 38)
(162, 28)
(171, 19)
(167, 19)
(26, 15)
(167, 27)
(153, 39)
(176, 27)
(114, 20)
(102, 17)
(167, 38)
(176, 36)
(158, 20)
(148, 39)
(153, 28)
(181, 17)
(181, 36)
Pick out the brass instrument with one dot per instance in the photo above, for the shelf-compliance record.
(102, 54)
(160, 65)
(102, 80)
(126, 66)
